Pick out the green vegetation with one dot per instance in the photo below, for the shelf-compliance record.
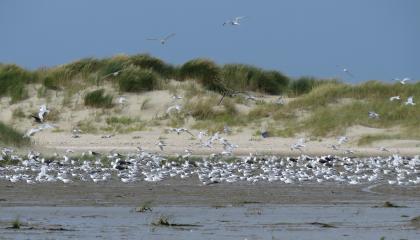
(98, 99)
(136, 79)
(10, 136)
(16, 224)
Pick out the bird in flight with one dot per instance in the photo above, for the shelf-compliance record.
(394, 98)
(410, 101)
(402, 81)
(162, 40)
(234, 22)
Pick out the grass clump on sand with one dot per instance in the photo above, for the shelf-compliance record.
(136, 79)
(98, 99)
(16, 224)
(13, 80)
(10, 136)
(242, 77)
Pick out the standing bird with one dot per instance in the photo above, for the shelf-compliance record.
(162, 40)
(234, 22)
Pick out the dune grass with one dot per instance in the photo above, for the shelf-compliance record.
(10, 136)
(136, 79)
(98, 99)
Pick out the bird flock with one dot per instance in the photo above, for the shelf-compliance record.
(149, 167)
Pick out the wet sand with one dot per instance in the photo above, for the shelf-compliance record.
(190, 192)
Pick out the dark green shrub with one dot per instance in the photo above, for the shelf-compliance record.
(136, 79)
(204, 71)
(98, 99)
(273, 82)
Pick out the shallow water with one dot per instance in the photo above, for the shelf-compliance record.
(249, 221)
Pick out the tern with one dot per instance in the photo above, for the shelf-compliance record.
(394, 98)
(162, 40)
(234, 22)
(410, 101)
(402, 81)
(161, 144)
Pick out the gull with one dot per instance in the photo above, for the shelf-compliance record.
(234, 22)
(373, 115)
(402, 81)
(160, 144)
(32, 131)
(394, 98)
(162, 40)
(334, 147)
(410, 101)
(176, 107)
(43, 111)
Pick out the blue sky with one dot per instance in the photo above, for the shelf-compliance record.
(375, 39)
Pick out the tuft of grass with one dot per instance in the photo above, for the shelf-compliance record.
(136, 79)
(16, 224)
(98, 99)
(10, 136)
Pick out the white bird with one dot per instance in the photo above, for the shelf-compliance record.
(342, 139)
(176, 107)
(410, 101)
(176, 97)
(373, 115)
(32, 131)
(402, 81)
(394, 98)
(43, 111)
(122, 100)
(162, 40)
(346, 71)
(234, 22)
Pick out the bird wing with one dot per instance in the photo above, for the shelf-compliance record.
(239, 18)
(169, 36)
(152, 39)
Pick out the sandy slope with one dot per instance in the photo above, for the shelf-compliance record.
(147, 107)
